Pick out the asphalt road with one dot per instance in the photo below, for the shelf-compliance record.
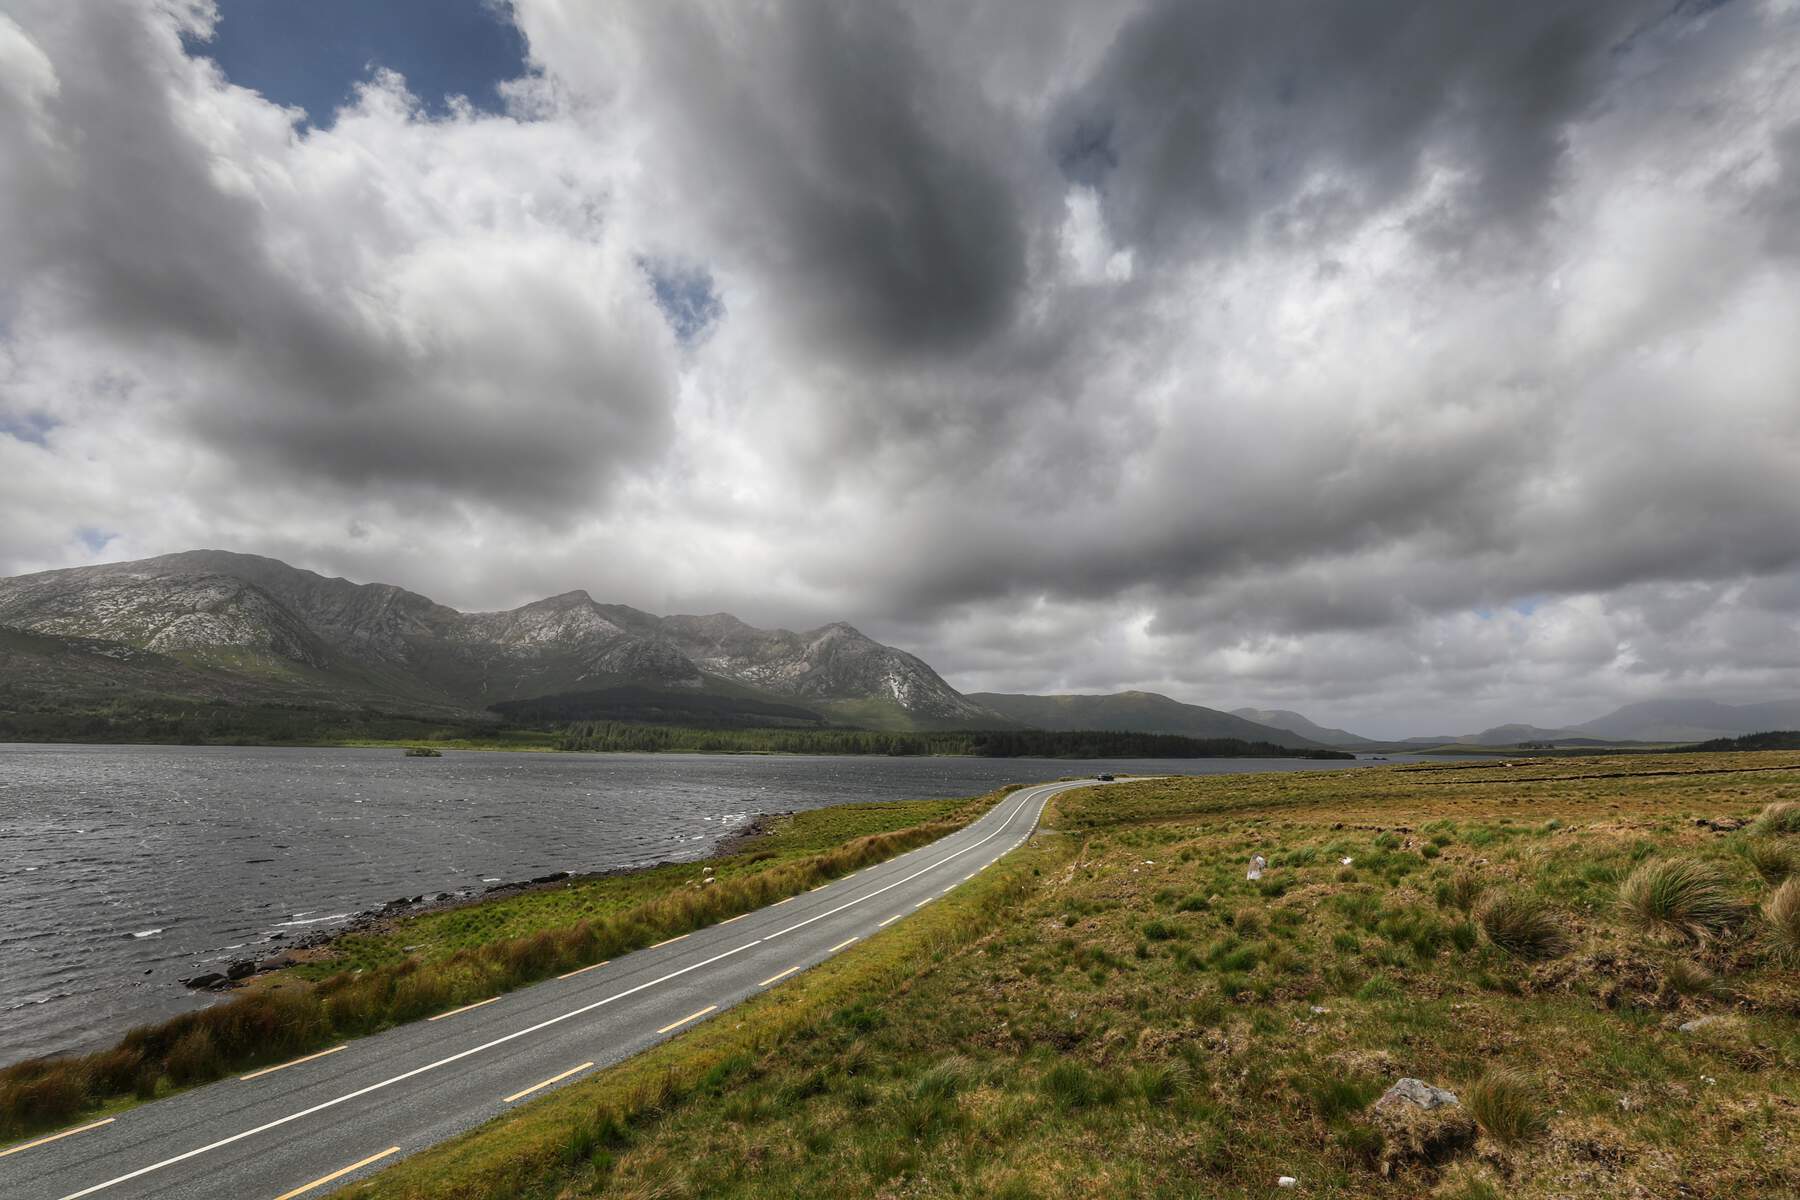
(305, 1128)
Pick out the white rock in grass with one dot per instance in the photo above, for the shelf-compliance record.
(1417, 1093)
(1287, 1181)
(1257, 863)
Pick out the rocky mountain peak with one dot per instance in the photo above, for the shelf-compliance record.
(382, 640)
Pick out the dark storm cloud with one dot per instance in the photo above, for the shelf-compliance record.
(828, 151)
(1205, 118)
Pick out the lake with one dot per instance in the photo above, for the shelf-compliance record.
(125, 868)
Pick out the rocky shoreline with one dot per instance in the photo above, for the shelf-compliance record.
(314, 946)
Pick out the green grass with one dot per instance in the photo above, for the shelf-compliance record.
(1029, 1036)
(1779, 818)
(1774, 859)
(1507, 1106)
(1521, 925)
(1679, 899)
(1781, 916)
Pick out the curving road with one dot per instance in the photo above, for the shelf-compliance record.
(303, 1128)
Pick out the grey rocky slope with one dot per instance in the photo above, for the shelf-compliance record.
(277, 631)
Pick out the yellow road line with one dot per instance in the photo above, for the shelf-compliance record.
(924, 902)
(840, 945)
(783, 975)
(579, 970)
(729, 920)
(891, 919)
(689, 1017)
(669, 942)
(325, 1179)
(781, 901)
(296, 1062)
(465, 1008)
(57, 1137)
(540, 1086)
(821, 887)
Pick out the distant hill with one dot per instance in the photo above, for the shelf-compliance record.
(1775, 739)
(1134, 712)
(217, 627)
(1512, 735)
(1293, 722)
(1692, 720)
(1681, 721)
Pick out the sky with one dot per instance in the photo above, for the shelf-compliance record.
(1416, 366)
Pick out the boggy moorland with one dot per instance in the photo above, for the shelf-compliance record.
(1596, 958)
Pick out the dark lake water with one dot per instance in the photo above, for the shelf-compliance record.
(125, 868)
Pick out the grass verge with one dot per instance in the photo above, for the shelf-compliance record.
(439, 961)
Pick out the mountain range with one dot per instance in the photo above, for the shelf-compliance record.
(222, 629)
(211, 625)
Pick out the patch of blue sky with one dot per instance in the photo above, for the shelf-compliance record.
(687, 298)
(312, 54)
(94, 539)
(27, 427)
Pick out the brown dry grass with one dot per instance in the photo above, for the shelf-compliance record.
(1056, 1046)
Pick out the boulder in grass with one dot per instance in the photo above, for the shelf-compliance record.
(1420, 1123)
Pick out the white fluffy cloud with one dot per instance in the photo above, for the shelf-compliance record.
(1075, 346)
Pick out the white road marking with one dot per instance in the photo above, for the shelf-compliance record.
(545, 1024)
(667, 941)
(583, 970)
(890, 920)
(57, 1137)
(1007, 820)
(465, 1008)
(293, 1063)
(773, 978)
(402, 1077)
(538, 1087)
(690, 1017)
(325, 1179)
(840, 945)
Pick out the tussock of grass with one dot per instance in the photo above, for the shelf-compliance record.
(1781, 920)
(1461, 890)
(1691, 978)
(1506, 1104)
(1772, 858)
(1678, 899)
(1777, 818)
(1521, 925)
